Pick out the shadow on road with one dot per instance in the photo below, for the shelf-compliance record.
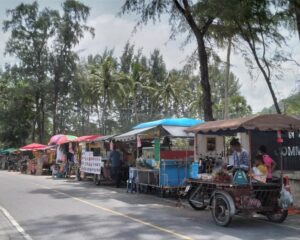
(152, 209)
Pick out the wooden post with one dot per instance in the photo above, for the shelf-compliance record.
(250, 157)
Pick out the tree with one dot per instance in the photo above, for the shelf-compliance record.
(30, 31)
(16, 108)
(197, 16)
(70, 28)
(109, 84)
(258, 27)
(237, 105)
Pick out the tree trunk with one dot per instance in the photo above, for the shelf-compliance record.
(104, 115)
(38, 116)
(55, 100)
(42, 137)
(227, 73)
(266, 76)
(297, 13)
(33, 130)
(206, 92)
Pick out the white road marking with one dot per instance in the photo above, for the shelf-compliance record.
(15, 223)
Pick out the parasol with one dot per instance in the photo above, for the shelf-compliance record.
(54, 139)
(33, 147)
(66, 139)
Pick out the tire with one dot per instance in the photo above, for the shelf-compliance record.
(221, 210)
(278, 217)
(197, 206)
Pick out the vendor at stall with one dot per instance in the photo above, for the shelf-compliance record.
(240, 156)
(115, 157)
(268, 162)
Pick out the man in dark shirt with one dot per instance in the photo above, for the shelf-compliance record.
(115, 158)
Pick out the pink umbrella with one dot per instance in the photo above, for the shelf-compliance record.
(54, 139)
(34, 147)
(66, 139)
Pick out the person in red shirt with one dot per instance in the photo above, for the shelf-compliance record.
(268, 161)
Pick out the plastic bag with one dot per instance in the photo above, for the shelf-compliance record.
(286, 198)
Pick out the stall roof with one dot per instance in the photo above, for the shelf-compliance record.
(104, 138)
(267, 122)
(131, 135)
(176, 131)
(9, 150)
(173, 131)
(180, 122)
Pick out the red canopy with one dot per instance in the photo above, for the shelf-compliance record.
(33, 147)
(88, 138)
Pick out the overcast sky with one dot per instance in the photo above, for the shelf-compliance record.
(113, 32)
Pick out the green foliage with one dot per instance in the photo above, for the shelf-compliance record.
(290, 105)
(15, 109)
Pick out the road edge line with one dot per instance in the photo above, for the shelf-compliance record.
(15, 223)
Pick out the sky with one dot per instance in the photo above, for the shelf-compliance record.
(112, 31)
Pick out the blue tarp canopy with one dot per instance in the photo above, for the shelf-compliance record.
(179, 122)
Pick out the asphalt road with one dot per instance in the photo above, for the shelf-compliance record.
(65, 209)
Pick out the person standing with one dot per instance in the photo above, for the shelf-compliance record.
(268, 161)
(115, 158)
(240, 156)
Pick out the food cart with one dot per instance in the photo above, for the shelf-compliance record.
(9, 159)
(94, 159)
(66, 151)
(229, 196)
(40, 161)
(163, 153)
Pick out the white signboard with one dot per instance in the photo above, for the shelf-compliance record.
(90, 164)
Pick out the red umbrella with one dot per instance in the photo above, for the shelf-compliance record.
(33, 147)
(54, 139)
(66, 139)
(88, 138)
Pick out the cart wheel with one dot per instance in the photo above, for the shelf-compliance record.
(278, 217)
(221, 210)
(196, 200)
(97, 179)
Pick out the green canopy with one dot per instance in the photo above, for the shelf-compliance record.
(9, 150)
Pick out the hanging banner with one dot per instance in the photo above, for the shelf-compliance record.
(90, 164)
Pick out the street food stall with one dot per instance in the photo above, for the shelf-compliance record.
(66, 153)
(162, 151)
(94, 158)
(230, 193)
(9, 159)
(35, 159)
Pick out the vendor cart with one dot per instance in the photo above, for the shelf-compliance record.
(95, 161)
(226, 198)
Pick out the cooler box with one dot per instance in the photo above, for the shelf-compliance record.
(173, 173)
